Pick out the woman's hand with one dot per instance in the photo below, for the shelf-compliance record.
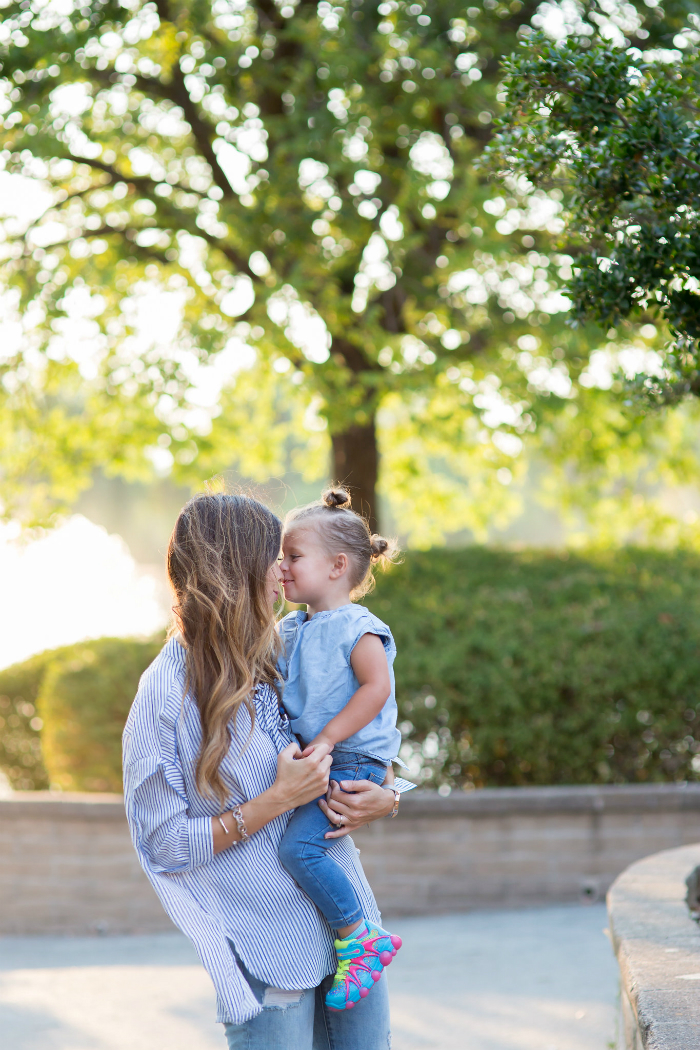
(360, 802)
(300, 780)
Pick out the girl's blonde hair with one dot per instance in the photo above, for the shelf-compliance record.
(219, 555)
(342, 530)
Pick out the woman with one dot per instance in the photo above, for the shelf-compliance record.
(211, 774)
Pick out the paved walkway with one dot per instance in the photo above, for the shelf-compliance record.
(540, 979)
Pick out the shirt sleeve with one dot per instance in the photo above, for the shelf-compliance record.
(155, 794)
(367, 624)
(169, 839)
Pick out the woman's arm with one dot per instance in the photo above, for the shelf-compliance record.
(299, 780)
(173, 841)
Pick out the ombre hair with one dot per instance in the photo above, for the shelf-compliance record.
(219, 556)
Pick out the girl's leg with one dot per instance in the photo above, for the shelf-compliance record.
(285, 1023)
(304, 853)
(304, 847)
(366, 1027)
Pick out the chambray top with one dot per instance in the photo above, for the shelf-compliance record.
(243, 894)
(319, 680)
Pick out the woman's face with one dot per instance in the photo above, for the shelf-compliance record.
(274, 582)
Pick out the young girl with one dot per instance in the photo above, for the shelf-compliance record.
(339, 694)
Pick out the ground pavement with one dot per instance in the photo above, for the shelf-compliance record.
(536, 979)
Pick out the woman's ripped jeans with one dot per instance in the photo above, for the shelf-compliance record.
(299, 1020)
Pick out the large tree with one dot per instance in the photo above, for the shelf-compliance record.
(305, 169)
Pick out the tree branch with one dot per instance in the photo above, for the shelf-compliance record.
(201, 129)
(231, 254)
(612, 107)
(103, 231)
(353, 356)
(55, 207)
(119, 176)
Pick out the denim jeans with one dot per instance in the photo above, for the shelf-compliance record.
(304, 849)
(300, 1021)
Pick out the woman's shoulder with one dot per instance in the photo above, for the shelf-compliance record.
(267, 706)
(155, 724)
(160, 692)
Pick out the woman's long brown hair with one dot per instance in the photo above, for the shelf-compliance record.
(219, 556)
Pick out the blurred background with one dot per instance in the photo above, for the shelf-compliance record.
(253, 247)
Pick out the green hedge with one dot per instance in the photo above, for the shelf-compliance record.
(542, 668)
(62, 714)
(84, 701)
(512, 668)
(20, 743)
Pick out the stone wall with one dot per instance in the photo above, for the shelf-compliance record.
(67, 864)
(502, 847)
(657, 944)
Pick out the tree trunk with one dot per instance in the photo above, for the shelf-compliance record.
(356, 464)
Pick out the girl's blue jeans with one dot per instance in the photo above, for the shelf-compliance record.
(300, 1021)
(304, 848)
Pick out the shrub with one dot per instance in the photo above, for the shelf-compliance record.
(84, 700)
(546, 668)
(62, 713)
(20, 743)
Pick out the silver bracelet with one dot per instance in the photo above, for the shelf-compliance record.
(221, 821)
(240, 824)
(397, 798)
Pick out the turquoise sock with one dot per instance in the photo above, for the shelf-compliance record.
(359, 932)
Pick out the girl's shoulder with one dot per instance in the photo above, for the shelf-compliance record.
(351, 622)
(368, 623)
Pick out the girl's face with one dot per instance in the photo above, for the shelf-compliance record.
(273, 582)
(306, 567)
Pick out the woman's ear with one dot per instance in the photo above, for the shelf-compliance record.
(339, 567)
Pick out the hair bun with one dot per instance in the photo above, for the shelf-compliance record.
(339, 498)
(378, 546)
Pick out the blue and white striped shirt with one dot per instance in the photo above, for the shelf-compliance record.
(242, 895)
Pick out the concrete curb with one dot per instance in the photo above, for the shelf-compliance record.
(657, 944)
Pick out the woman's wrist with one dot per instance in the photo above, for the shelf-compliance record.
(396, 794)
(252, 816)
(272, 802)
(267, 806)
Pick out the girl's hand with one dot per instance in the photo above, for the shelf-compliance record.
(319, 741)
(360, 802)
(301, 780)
